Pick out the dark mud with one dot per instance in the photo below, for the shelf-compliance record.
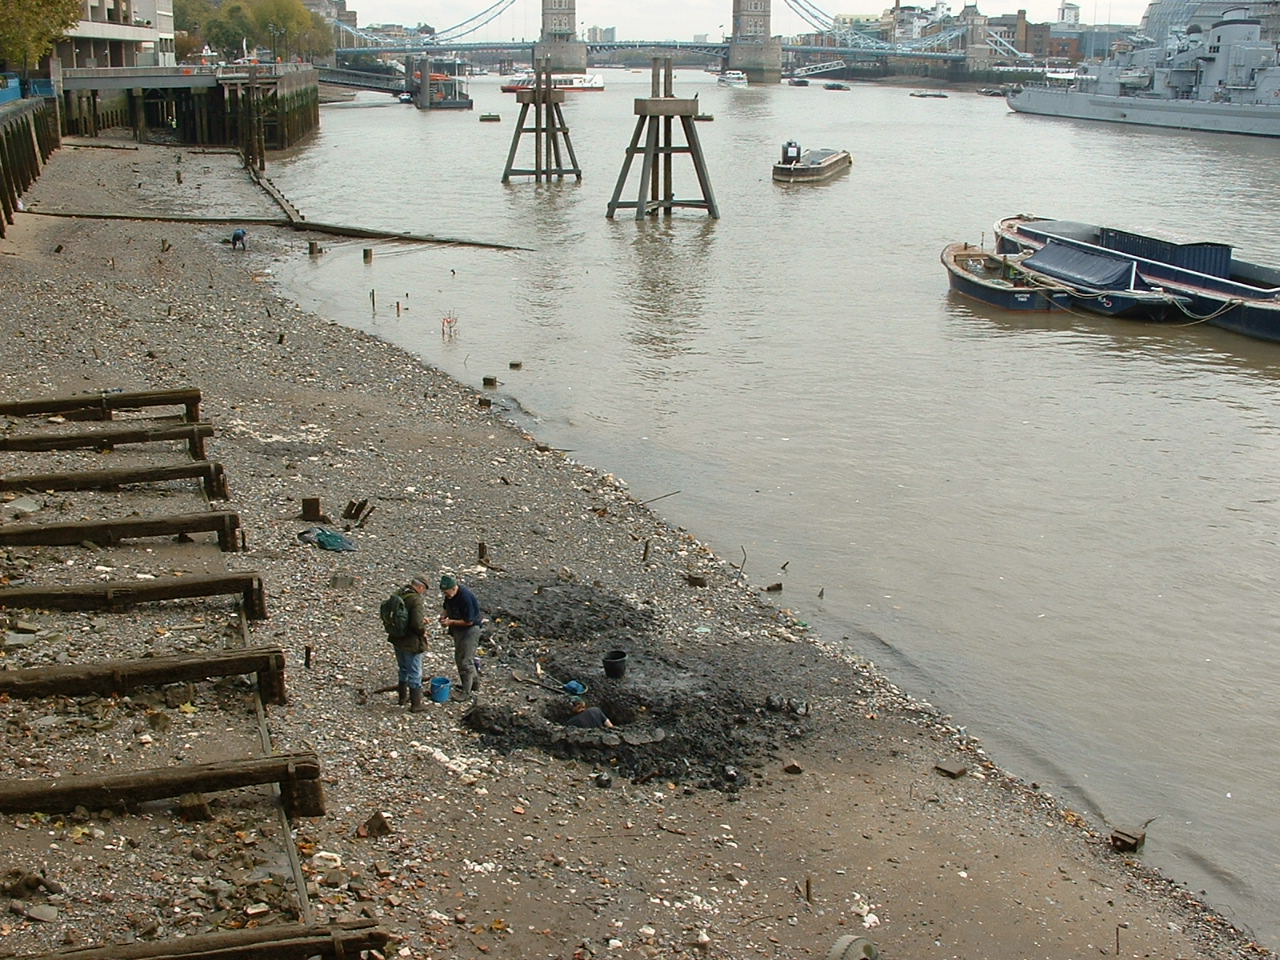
(697, 716)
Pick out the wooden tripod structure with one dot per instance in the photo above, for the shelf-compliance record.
(655, 119)
(548, 130)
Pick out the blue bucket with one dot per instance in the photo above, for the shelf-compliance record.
(440, 689)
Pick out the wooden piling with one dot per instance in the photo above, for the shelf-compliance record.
(550, 131)
(655, 123)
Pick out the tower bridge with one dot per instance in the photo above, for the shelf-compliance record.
(750, 47)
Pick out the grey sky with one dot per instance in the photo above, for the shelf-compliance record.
(682, 19)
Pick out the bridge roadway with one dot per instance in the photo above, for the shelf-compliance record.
(711, 50)
(386, 83)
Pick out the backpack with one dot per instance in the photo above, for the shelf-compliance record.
(395, 615)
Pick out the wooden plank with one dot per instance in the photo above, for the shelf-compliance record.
(211, 472)
(108, 532)
(124, 676)
(193, 433)
(104, 403)
(283, 941)
(121, 594)
(99, 791)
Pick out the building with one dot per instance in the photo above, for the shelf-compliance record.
(1069, 14)
(602, 34)
(126, 33)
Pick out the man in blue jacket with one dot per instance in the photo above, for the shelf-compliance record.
(462, 618)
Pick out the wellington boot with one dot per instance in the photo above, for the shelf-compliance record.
(417, 706)
(402, 694)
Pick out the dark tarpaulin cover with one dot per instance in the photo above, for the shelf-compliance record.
(1084, 268)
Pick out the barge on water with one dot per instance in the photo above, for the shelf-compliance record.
(809, 166)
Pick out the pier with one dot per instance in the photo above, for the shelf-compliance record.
(254, 106)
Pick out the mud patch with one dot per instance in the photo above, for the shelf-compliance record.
(702, 716)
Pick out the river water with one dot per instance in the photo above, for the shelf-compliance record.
(1060, 530)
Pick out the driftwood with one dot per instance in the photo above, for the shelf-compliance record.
(103, 404)
(124, 676)
(279, 942)
(120, 594)
(211, 472)
(108, 532)
(99, 791)
(193, 433)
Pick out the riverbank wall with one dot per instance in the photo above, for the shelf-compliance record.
(28, 137)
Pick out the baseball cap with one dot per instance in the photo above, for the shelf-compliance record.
(447, 582)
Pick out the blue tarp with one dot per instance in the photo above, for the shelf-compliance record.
(1084, 268)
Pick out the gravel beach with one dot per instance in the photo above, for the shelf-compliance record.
(762, 794)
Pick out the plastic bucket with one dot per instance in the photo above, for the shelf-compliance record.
(440, 689)
(615, 664)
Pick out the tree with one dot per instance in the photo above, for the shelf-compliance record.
(30, 28)
(230, 30)
(317, 39)
(192, 15)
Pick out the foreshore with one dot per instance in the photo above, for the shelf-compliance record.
(751, 829)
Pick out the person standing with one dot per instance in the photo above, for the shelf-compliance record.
(462, 618)
(410, 643)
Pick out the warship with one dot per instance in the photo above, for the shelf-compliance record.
(1223, 79)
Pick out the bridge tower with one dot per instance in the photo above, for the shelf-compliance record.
(559, 43)
(752, 48)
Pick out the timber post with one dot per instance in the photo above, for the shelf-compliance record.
(549, 131)
(655, 117)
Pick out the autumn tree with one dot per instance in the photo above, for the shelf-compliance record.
(30, 28)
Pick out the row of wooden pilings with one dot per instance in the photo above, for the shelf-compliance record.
(28, 135)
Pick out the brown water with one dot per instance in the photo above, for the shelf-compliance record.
(1060, 530)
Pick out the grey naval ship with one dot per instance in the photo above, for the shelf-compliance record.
(1222, 78)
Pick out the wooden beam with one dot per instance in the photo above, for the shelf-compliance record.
(102, 404)
(211, 472)
(193, 433)
(124, 676)
(108, 532)
(120, 594)
(99, 791)
(278, 942)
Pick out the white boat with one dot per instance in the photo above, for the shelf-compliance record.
(732, 78)
(560, 81)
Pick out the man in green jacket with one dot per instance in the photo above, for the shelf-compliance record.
(411, 644)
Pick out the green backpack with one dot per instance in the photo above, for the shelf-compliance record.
(395, 615)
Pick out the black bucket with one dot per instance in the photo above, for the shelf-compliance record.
(615, 664)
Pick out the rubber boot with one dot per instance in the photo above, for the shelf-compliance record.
(402, 694)
(415, 695)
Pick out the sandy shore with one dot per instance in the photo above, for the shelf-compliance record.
(727, 828)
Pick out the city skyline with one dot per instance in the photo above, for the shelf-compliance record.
(685, 19)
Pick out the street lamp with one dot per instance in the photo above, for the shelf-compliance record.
(275, 33)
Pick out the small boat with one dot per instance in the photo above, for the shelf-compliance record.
(704, 117)
(732, 78)
(809, 166)
(577, 82)
(405, 97)
(1053, 279)
(798, 81)
(998, 280)
(490, 118)
(1203, 282)
(835, 86)
(935, 94)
